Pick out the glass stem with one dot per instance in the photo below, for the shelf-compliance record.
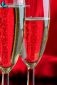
(30, 76)
(5, 78)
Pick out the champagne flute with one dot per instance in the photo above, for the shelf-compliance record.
(35, 34)
(11, 36)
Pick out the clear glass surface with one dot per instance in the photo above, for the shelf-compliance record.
(11, 36)
(36, 28)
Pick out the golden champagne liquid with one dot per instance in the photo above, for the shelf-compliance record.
(35, 38)
(9, 59)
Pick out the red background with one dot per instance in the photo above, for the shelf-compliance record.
(47, 67)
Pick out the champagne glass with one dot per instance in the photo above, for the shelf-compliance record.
(11, 36)
(36, 27)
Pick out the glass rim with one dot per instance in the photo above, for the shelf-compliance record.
(36, 18)
(14, 5)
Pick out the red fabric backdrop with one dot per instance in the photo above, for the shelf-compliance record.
(48, 64)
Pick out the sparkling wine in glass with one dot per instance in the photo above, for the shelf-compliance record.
(11, 36)
(36, 27)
